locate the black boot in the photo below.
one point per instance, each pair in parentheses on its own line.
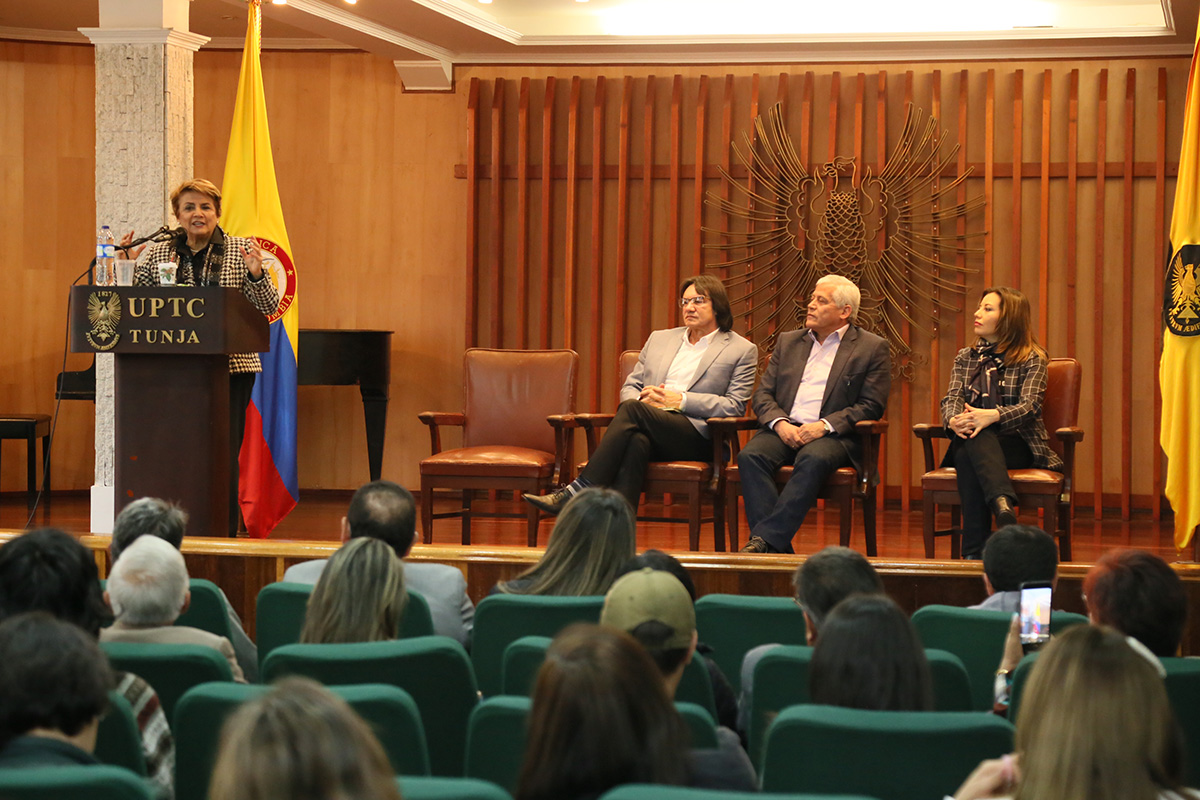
(1002,509)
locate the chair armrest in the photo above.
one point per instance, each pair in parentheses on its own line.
(730,425)
(1069,434)
(435,419)
(593,424)
(563,421)
(927,433)
(869,431)
(871,426)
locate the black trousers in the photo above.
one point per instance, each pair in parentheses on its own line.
(982,466)
(775,516)
(241,384)
(639,434)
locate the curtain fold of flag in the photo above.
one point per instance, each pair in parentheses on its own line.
(1179,370)
(268,485)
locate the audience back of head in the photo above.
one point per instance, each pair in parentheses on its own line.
(1095,722)
(300,742)
(1140,595)
(386,511)
(148,516)
(664,562)
(149,585)
(1017,554)
(869,656)
(360,596)
(593,537)
(654,608)
(53,678)
(48,570)
(829,576)
(601,717)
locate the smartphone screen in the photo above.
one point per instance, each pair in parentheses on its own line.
(1035,614)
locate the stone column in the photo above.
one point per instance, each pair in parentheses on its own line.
(144,141)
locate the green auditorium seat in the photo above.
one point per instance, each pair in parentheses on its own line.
(951,685)
(170,669)
(501,619)
(435,670)
(696,686)
(389,710)
(207,610)
(732,625)
(522,659)
(95,782)
(496,736)
(650,791)
(893,755)
(280,611)
(450,789)
(118,740)
(700,722)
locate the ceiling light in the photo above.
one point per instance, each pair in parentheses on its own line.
(485,2)
(279,2)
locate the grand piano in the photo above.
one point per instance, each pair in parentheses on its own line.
(328,357)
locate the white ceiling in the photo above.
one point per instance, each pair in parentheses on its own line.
(438,34)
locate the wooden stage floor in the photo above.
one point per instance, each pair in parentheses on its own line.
(318,516)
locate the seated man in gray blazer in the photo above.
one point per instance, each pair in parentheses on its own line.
(386,511)
(819,382)
(683,376)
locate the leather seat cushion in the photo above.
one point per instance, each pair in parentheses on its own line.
(497,461)
(1025,481)
(844,476)
(699,471)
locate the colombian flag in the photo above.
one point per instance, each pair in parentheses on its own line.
(1179,371)
(268,487)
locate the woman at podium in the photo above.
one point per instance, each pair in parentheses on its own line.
(201,254)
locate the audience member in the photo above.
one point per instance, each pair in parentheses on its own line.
(48,570)
(592,538)
(300,742)
(869,656)
(601,717)
(1141,596)
(654,608)
(148,590)
(1095,724)
(723,696)
(167,521)
(822,581)
(54,684)
(1013,555)
(359,598)
(386,511)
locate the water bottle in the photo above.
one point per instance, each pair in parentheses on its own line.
(106,253)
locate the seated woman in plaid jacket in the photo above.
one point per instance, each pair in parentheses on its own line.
(993,409)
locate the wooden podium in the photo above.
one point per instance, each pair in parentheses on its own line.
(172,347)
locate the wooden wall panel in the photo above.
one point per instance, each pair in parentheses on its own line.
(1061,221)
(375,195)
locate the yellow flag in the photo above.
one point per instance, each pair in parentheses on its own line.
(1179,371)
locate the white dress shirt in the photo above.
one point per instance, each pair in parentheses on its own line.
(684,365)
(807,406)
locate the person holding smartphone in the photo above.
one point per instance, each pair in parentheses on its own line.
(993,411)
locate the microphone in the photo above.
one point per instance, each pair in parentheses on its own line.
(164,234)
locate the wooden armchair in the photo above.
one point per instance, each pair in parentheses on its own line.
(507,396)
(695,480)
(1036,488)
(842,488)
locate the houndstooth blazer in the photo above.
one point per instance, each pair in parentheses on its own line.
(234,275)
(1022,389)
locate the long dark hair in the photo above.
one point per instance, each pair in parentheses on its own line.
(868,656)
(601,718)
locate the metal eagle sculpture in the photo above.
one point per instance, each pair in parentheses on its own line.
(883,232)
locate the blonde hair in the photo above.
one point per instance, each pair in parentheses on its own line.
(1096,724)
(1014,329)
(360,596)
(300,742)
(592,539)
(200,186)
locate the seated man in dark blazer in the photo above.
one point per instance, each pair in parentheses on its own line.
(683,376)
(819,382)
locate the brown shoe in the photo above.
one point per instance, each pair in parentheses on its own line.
(549,503)
(757,545)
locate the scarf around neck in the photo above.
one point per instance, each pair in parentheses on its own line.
(983,385)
